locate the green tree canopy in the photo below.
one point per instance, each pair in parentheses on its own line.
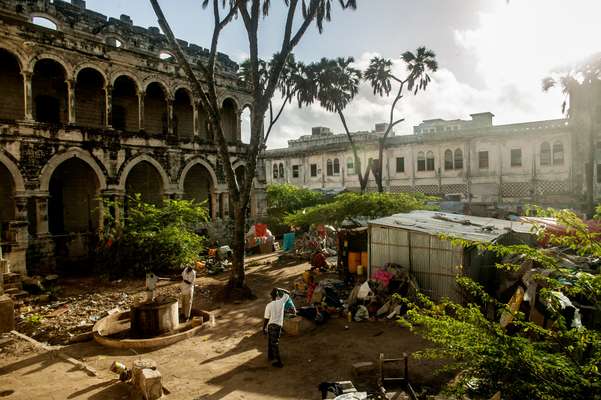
(353,206)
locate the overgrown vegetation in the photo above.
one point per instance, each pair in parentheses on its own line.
(284,199)
(523,360)
(354,206)
(151,238)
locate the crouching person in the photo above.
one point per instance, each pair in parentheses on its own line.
(187,289)
(272,325)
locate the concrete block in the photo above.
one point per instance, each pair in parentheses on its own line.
(138,366)
(7,314)
(150,384)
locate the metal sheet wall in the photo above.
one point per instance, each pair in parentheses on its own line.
(434,263)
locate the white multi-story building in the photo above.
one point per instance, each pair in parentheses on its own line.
(473,161)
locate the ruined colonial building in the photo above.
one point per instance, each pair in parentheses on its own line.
(482,165)
(96,108)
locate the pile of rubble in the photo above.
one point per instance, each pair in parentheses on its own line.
(70,319)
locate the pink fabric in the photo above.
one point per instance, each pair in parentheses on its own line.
(383,276)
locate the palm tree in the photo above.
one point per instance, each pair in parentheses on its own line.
(580,83)
(379,74)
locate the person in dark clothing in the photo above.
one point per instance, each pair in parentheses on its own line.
(272,325)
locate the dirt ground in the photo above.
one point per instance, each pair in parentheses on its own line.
(225,362)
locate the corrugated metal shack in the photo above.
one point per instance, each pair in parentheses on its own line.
(414,240)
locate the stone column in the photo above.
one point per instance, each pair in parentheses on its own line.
(195,122)
(238,126)
(141,96)
(170,117)
(41,215)
(70,101)
(27,95)
(108,106)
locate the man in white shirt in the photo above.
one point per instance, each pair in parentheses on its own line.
(187,288)
(272,325)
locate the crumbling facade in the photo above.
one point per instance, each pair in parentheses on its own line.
(96,108)
(481,165)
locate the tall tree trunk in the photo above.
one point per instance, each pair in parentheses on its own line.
(238,277)
(362,178)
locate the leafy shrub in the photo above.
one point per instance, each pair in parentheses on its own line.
(283,199)
(151,238)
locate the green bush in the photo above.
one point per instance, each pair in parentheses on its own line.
(283,199)
(151,238)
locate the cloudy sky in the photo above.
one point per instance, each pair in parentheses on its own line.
(492,53)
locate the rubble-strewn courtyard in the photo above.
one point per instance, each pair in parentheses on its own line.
(225,362)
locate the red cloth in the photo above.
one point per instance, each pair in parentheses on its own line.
(319,260)
(260,230)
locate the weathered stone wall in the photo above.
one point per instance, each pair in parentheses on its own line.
(118,118)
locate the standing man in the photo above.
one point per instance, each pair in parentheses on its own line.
(187,288)
(272,325)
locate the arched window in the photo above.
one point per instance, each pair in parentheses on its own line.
(545,154)
(336,166)
(275,171)
(281,170)
(430,161)
(44,22)
(557,153)
(448,159)
(458,159)
(350,166)
(421,161)
(330,168)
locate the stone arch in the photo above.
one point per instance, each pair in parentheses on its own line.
(183,114)
(194,161)
(22,59)
(156,110)
(229,118)
(154,79)
(58,159)
(126,169)
(15,173)
(49,56)
(50,91)
(198,182)
(51,18)
(245,123)
(185,87)
(114,75)
(12,106)
(77,69)
(90,97)
(125,103)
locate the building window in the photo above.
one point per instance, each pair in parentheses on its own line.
(545,154)
(295,171)
(516,157)
(330,168)
(430,161)
(458,159)
(281,170)
(400,164)
(557,153)
(336,166)
(421,161)
(483,159)
(448,159)
(350,166)
(275,171)
(313,170)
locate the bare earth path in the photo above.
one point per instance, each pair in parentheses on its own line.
(225,362)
